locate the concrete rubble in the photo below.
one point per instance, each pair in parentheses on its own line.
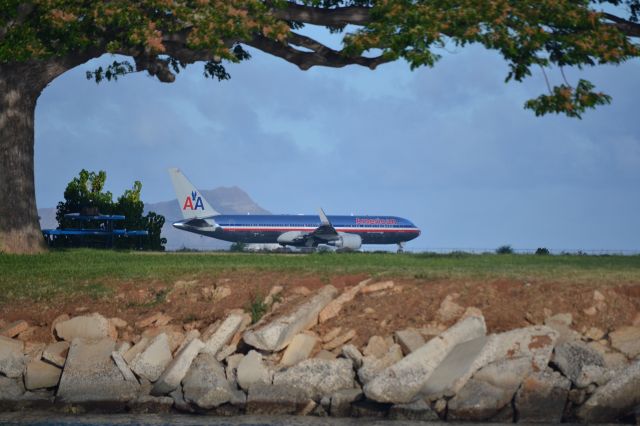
(12,359)
(401,382)
(90,375)
(152,361)
(279,333)
(90,327)
(536,374)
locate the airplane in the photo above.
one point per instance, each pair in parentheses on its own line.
(303,231)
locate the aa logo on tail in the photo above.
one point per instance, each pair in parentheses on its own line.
(188,202)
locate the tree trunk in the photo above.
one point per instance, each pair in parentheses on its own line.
(20,86)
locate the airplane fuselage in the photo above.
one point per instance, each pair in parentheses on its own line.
(265,229)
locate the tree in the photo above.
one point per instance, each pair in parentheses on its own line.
(41,39)
(85,195)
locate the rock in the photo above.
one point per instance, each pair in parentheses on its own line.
(252,370)
(401,382)
(564,319)
(331,334)
(90,327)
(174,334)
(318,377)
(33,350)
(278,334)
(626,340)
(440,406)
(384,285)
(308,409)
(418,410)
(118,323)
(326,355)
(377,347)
(232,367)
(299,349)
(205,384)
(594,333)
(12,360)
(127,374)
(191,335)
(223,334)
(449,310)
(177,369)
(590,311)
(151,362)
(275,291)
(340,405)
(56,353)
(335,306)
(266,399)
(561,324)
(339,341)
(614,400)
(122,347)
(577,396)
(179,402)
(506,373)
(13,329)
(536,342)
(226,351)
(489,391)
(479,400)
(573,357)
(458,367)
(409,340)
(352,353)
(10,389)
(157,320)
(372,366)
(136,349)
(90,375)
(40,374)
(542,397)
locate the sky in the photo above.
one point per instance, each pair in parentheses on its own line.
(451,148)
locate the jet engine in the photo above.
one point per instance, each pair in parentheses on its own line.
(347,241)
(292,238)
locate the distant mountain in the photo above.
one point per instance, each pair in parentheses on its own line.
(226,200)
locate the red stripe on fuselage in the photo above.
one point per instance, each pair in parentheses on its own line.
(352,230)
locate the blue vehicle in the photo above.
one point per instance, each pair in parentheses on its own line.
(343,232)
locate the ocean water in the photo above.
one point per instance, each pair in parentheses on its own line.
(55,419)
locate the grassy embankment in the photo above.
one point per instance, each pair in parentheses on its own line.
(95,273)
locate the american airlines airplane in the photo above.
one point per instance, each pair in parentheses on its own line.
(342,232)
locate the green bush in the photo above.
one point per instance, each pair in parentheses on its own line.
(237,247)
(542,251)
(85,195)
(505,249)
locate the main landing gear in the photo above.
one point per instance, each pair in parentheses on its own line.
(400,247)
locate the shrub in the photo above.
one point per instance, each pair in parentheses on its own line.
(506,249)
(237,247)
(542,251)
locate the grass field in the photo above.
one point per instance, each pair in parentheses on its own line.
(93,273)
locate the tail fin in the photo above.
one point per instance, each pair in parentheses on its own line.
(192,203)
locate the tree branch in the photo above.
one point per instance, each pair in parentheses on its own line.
(335,17)
(628,28)
(321,55)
